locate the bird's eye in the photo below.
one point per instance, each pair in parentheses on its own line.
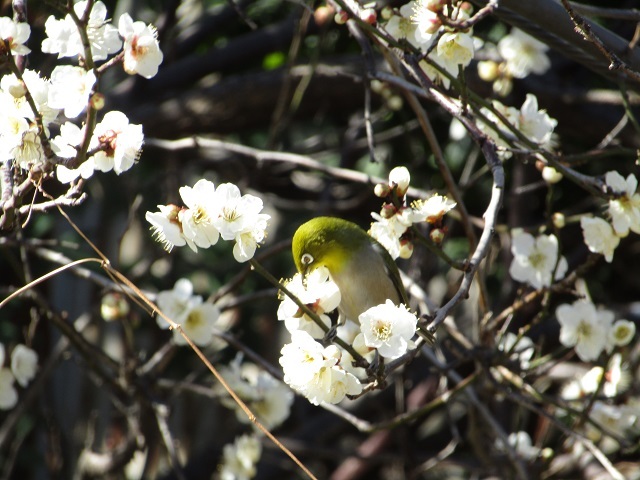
(307,259)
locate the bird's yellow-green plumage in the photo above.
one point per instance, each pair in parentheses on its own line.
(362,268)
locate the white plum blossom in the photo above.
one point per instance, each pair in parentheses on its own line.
(625,209)
(388,231)
(37,86)
(318,292)
(599,236)
(315,372)
(534,259)
(401,26)
(521,442)
(166,227)
(388,328)
(400,178)
(584,328)
(8,393)
(615,419)
(535,124)
(13,36)
(64,38)
(523,54)
(177,302)
(70,89)
(142,54)
(269,399)
(454,50)
(432,209)
(198,219)
(121,143)
(247,241)
(616,380)
(66,145)
(620,334)
(24,364)
(240,458)
(199,324)
(237,211)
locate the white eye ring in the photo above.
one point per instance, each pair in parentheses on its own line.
(307,259)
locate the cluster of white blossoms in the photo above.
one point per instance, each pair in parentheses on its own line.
(239,459)
(22,369)
(392,224)
(316,371)
(114,144)
(535,124)
(624,212)
(269,399)
(418,23)
(198,319)
(209,214)
(536,260)
(520,55)
(591,331)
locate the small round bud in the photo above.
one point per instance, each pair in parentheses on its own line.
(97,101)
(395,103)
(551,175)
(341,17)
(435,5)
(388,211)
(437,235)
(377,86)
(540,165)
(17,89)
(406,249)
(323,14)
(369,15)
(488,70)
(467,8)
(558,220)
(386,13)
(503,86)
(381,190)
(400,178)
(113,307)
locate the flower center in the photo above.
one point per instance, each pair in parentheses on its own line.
(537,259)
(381,329)
(584,330)
(230,214)
(200,215)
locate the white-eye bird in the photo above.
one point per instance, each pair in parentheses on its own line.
(362,269)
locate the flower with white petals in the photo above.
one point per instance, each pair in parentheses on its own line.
(237,212)
(8,393)
(625,209)
(523,54)
(121,143)
(431,210)
(584,328)
(70,89)
(535,124)
(240,458)
(620,334)
(318,292)
(142,54)
(24,364)
(269,399)
(616,380)
(454,50)
(388,231)
(64,38)
(199,324)
(521,443)
(315,372)
(166,227)
(66,145)
(38,87)
(401,26)
(177,302)
(534,259)
(388,328)
(613,418)
(248,240)
(599,236)
(198,219)
(13,35)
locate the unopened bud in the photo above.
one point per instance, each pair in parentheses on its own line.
(437,235)
(406,249)
(17,89)
(97,101)
(113,307)
(551,175)
(341,17)
(435,5)
(558,220)
(467,8)
(395,103)
(488,70)
(388,211)
(322,14)
(503,86)
(377,86)
(400,178)
(369,15)
(381,190)
(386,13)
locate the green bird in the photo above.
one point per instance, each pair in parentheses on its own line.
(360,266)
